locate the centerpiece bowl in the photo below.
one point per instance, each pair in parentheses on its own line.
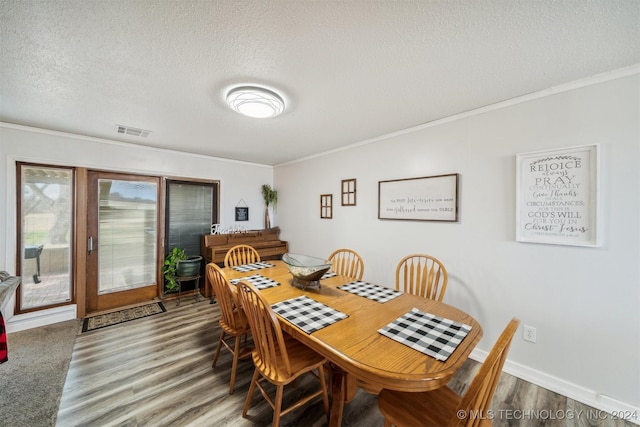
(306,270)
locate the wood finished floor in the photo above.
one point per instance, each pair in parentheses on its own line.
(156,371)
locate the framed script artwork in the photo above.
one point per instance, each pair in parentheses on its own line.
(430,198)
(557,196)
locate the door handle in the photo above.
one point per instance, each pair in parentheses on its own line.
(90,245)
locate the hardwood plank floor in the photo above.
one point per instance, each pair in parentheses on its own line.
(156,371)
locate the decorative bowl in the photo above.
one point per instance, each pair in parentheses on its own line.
(306,270)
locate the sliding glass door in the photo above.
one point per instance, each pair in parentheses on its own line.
(121,228)
(122,243)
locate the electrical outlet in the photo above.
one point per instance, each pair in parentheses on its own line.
(529,333)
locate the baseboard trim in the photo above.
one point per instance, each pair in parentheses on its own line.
(571,390)
(35,319)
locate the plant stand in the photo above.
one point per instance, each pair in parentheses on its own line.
(181,279)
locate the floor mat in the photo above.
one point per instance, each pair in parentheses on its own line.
(121,316)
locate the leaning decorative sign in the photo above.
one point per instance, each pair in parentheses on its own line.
(557,196)
(430,198)
(234,229)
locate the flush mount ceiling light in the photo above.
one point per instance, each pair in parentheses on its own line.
(255,102)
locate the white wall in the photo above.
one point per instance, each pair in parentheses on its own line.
(584,302)
(238,180)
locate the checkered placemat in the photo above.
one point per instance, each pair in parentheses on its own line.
(371,291)
(307,313)
(257,280)
(328,275)
(432,335)
(250,267)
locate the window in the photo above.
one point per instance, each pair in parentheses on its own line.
(45,233)
(191,209)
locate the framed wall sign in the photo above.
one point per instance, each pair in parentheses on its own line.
(557,196)
(430,198)
(242,213)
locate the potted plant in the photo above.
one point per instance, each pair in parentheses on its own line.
(179,264)
(270,197)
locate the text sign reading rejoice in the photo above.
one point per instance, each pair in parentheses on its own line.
(557,196)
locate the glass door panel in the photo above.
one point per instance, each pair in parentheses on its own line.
(46,219)
(122,246)
(127,238)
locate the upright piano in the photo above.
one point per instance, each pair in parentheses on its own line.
(214,247)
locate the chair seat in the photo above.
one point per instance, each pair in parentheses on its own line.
(430,408)
(234,331)
(301,359)
(245,350)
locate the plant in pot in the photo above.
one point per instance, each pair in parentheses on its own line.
(270,197)
(178,264)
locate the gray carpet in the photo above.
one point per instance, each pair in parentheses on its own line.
(31,382)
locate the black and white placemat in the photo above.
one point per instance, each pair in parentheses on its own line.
(251,267)
(329,274)
(307,313)
(257,280)
(371,291)
(435,336)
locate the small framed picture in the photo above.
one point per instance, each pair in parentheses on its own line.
(348,192)
(326,206)
(242,213)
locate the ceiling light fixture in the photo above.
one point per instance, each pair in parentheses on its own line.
(255,102)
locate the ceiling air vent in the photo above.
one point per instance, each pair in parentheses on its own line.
(128,130)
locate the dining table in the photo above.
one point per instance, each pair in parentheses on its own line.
(360,344)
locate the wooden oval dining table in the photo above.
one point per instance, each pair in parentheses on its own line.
(357,352)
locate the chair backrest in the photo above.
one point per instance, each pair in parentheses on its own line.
(478,396)
(267,334)
(347,262)
(240,255)
(422,275)
(227,298)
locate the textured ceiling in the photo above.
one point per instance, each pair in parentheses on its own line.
(348,70)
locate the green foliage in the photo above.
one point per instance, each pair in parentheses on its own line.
(35,237)
(270,195)
(170,267)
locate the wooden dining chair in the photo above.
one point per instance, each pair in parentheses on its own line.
(279,358)
(444,407)
(240,255)
(347,262)
(232,321)
(422,275)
